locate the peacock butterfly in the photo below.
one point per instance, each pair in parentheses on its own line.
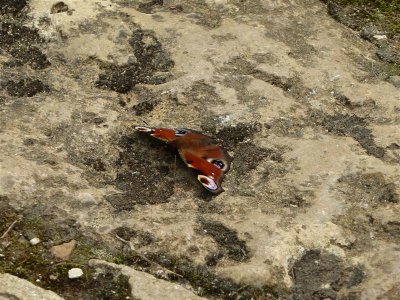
(198,151)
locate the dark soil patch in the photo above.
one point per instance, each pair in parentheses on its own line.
(352,126)
(145,107)
(238,67)
(200,12)
(227,240)
(26,87)
(346,102)
(96,163)
(145,172)
(371,188)
(22,44)
(148,100)
(59,7)
(93,118)
(289,126)
(150,59)
(365,193)
(392,228)
(136,237)
(12,7)
(29,142)
(322,275)
(248,156)
(367,229)
(233,135)
(203,93)
(147,7)
(292,197)
(8,214)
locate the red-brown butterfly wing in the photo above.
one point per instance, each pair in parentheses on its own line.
(210,175)
(199,152)
(163,134)
(204,147)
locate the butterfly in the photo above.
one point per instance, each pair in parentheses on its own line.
(198,151)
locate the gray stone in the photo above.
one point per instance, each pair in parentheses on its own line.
(12,287)
(147,287)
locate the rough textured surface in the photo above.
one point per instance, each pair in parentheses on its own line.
(147,287)
(311,204)
(13,287)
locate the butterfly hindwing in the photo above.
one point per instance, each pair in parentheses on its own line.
(210,175)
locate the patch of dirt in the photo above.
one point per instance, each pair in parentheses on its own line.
(248,156)
(290,127)
(291,198)
(368,227)
(366,193)
(22,44)
(227,240)
(201,93)
(352,126)
(364,108)
(370,188)
(59,7)
(137,238)
(145,172)
(150,59)
(148,6)
(9,214)
(12,7)
(241,71)
(26,87)
(232,136)
(148,100)
(321,275)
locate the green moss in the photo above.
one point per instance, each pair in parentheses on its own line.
(36,264)
(383,13)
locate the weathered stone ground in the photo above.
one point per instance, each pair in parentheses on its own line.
(307,109)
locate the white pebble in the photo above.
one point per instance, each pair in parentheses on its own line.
(35,241)
(75,273)
(380,37)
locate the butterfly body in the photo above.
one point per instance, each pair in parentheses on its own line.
(198,151)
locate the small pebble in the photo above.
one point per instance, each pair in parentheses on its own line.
(380,37)
(75,273)
(34,241)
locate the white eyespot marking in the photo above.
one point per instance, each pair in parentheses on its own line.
(143,129)
(208,183)
(180,132)
(221,164)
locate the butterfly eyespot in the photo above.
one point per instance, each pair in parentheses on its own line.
(219,163)
(208,183)
(180,132)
